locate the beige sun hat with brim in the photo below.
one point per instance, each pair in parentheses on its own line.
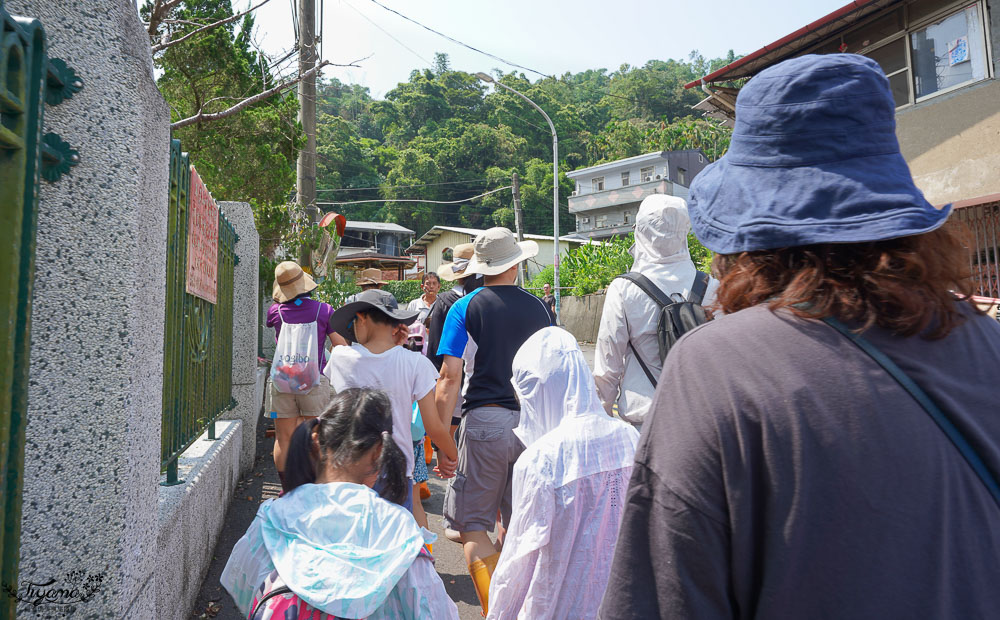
(369,276)
(462,255)
(497,250)
(290,281)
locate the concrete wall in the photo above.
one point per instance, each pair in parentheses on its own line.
(245,294)
(92,454)
(190,517)
(581,316)
(952,143)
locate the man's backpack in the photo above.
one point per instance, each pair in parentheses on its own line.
(677,315)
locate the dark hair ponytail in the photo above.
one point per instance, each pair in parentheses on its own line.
(392,465)
(354,422)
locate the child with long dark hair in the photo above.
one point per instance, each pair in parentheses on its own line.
(331,544)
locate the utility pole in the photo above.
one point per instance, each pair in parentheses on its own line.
(522,270)
(305,183)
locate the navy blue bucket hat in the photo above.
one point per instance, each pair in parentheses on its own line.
(813,159)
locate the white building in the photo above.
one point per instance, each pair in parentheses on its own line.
(435,247)
(607,196)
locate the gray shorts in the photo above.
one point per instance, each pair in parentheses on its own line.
(487,449)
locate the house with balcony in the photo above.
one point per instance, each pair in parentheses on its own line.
(941,59)
(375,245)
(607,196)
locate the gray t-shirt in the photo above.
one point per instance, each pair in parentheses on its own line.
(783,474)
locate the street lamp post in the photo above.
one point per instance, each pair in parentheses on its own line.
(555,182)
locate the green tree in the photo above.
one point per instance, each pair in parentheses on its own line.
(250,155)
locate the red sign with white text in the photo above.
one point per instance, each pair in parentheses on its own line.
(203,241)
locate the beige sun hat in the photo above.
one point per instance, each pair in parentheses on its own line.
(290,282)
(497,250)
(461,255)
(369,276)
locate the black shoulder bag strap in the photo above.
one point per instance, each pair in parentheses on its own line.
(263,600)
(661,300)
(940,417)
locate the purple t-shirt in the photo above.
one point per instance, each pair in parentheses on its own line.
(303,310)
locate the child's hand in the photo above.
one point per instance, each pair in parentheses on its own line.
(446,467)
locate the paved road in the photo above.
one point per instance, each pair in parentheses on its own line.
(262,483)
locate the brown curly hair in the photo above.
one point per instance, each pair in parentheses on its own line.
(907,285)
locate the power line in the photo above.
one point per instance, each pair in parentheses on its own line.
(386,33)
(358,189)
(456,41)
(439,202)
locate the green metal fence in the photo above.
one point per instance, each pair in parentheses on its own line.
(198,337)
(28,80)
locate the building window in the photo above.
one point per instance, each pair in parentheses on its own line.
(624,179)
(646,174)
(447,255)
(921,51)
(682,176)
(598,184)
(949,53)
(626,216)
(601,222)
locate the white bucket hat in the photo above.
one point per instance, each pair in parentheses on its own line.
(497,250)
(462,254)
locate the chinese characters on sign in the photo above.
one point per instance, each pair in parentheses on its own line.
(203,241)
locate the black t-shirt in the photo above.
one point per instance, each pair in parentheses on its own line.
(488,326)
(782,473)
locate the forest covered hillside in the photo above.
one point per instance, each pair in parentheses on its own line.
(445,135)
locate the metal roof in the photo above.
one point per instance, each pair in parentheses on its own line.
(379,227)
(628,161)
(435,232)
(788,45)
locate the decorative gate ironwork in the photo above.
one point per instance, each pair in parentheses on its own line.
(28,80)
(983,222)
(198,335)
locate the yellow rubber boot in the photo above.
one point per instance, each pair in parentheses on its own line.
(481,571)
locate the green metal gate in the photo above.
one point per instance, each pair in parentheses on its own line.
(28,80)
(198,336)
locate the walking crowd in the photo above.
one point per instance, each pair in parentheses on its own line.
(821,442)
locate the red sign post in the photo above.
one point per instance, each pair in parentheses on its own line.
(203,242)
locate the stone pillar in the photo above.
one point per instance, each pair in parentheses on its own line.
(92,454)
(245,296)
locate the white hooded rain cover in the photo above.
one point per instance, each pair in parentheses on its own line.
(661,254)
(568,487)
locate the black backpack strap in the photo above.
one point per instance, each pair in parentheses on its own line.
(661,300)
(933,410)
(642,364)
(647,287)
(698,289)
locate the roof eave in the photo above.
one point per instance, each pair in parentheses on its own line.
(727,72)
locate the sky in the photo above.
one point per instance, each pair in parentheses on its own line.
(550,36)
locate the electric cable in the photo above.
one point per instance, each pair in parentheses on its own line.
(465,45)
(358,189)
(439,202)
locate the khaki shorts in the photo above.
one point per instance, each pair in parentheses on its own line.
(487,449)
(310,404)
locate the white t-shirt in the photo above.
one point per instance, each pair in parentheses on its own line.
(406,376)
(420,304)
